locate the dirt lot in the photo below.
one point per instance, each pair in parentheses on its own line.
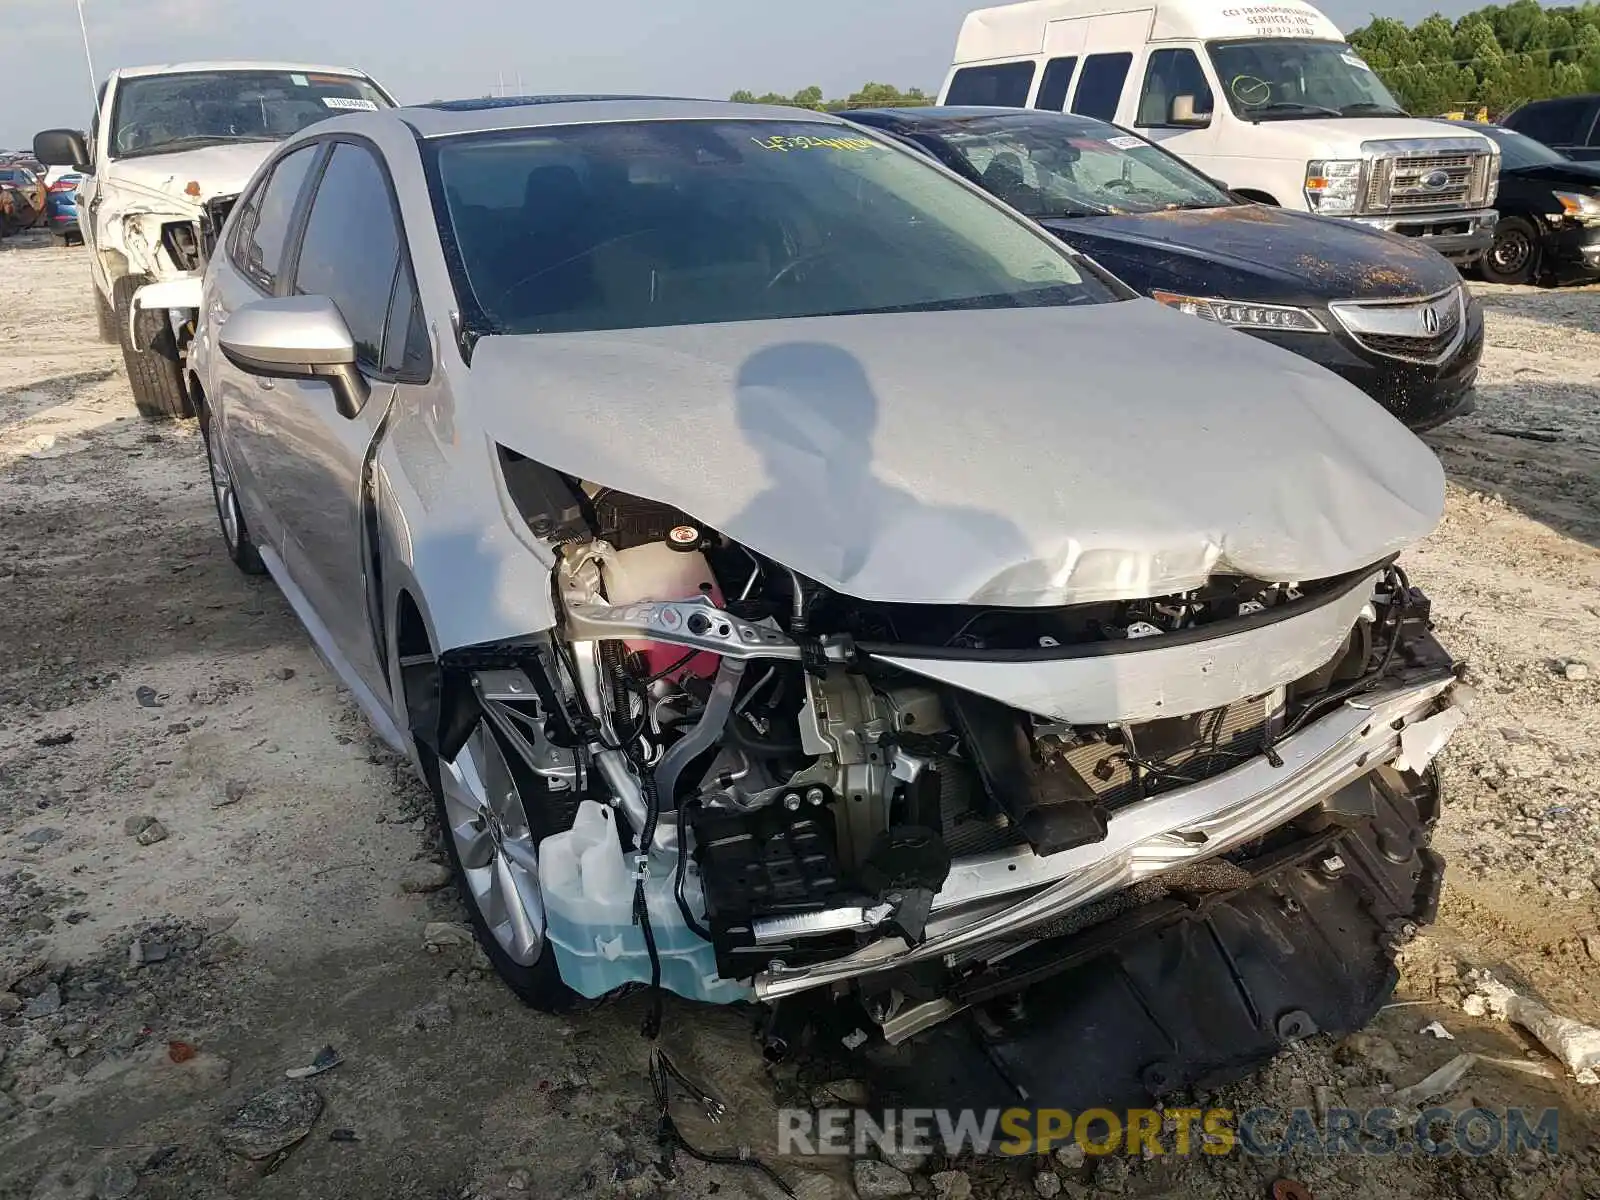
(266,915)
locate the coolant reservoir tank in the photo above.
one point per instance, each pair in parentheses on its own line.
(656,571)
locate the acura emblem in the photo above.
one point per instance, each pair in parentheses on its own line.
(1434,180)
(1430,321)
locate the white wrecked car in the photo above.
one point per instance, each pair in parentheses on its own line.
(169,150)
(798,575)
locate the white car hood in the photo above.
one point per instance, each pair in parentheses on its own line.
(1013,457)
(164,178)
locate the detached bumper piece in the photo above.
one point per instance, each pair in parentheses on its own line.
(1199,978)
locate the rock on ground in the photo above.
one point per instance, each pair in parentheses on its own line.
(272,1120)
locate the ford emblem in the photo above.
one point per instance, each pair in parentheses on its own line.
(1434,180)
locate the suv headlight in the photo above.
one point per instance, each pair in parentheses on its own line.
(1239,314)
(1576,204)
(1333,185)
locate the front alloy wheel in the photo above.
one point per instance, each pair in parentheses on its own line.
(235,534)
(494,850)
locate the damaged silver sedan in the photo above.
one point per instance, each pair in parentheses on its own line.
(803,580)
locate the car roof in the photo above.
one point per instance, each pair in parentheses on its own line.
(1554,100)
(451,117)
(234,65)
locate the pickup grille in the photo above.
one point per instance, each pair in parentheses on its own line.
(1421,182)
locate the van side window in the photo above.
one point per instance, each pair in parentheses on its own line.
(1175,90)
(1100,85)
(1003,86)
(1057,79)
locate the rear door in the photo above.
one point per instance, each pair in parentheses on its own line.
(351,250)
(1111,44)
(1063,49)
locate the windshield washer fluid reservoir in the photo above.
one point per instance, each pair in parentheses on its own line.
(588,898)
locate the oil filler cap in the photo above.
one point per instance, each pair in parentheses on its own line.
(684,538)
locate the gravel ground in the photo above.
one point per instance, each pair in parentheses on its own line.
(210,870)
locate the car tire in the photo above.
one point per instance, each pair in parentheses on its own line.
(537,983)
(105,318)
(155,373)
(230,517)
(1514,257)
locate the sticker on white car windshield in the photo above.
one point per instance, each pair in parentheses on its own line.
(346,104)
(1355,60)
(299,81)
(779,142)
(1124,142)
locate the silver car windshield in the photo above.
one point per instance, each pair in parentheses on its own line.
(654,223)
(162,114)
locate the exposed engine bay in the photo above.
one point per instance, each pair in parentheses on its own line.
(751,786)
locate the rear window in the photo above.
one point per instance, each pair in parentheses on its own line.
(1004,86)
(1555,122)
(629,225)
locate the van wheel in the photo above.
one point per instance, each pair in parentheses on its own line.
(156,372)
(1514,257)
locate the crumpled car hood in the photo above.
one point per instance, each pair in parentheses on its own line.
(219,170)
(1013,457)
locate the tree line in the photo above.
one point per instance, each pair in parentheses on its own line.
(1497,57)
(869,95)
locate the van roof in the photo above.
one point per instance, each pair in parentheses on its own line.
(1019,30)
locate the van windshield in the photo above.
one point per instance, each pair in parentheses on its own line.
(678,222)
(162,114)
(1287,79)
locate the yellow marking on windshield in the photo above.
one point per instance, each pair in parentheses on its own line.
(780,142)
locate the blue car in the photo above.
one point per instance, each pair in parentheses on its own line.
(62,202)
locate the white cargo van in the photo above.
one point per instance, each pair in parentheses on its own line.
(1269,99)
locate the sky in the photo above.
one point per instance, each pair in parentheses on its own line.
(434,49)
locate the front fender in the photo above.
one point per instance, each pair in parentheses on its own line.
(450,529)
(182,294)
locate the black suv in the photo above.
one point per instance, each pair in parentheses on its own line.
(1570,124)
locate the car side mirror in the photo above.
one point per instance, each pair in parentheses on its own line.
(1182,114)
(62,148)
(297,337)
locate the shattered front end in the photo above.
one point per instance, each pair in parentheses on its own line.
(1196,824)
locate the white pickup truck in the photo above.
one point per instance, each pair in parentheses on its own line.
(169,150)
